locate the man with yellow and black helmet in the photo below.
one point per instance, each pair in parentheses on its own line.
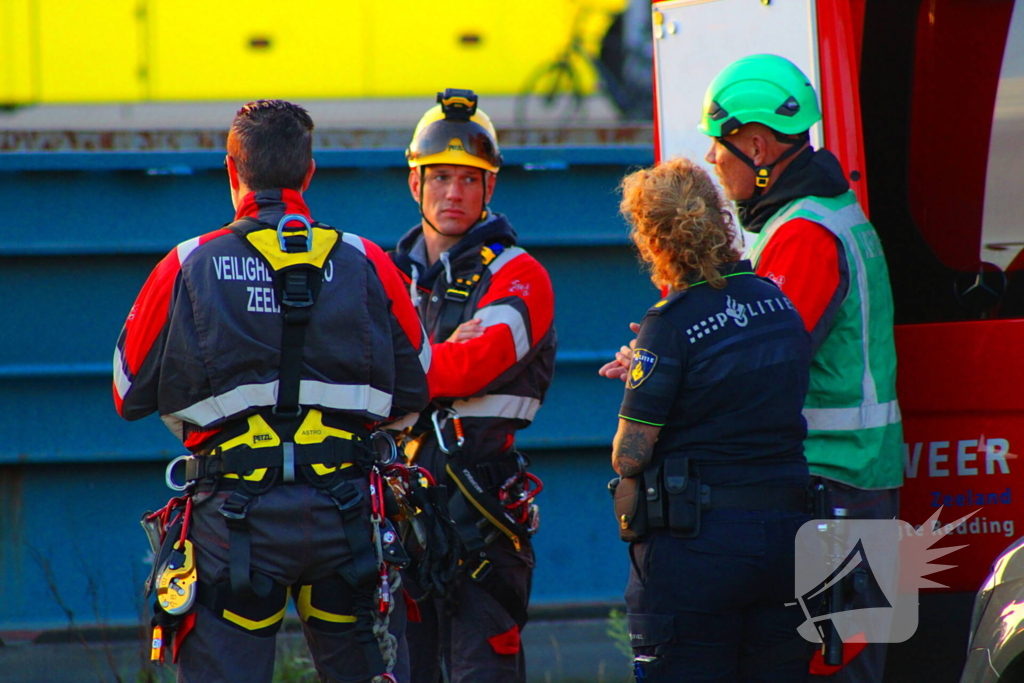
(488,307)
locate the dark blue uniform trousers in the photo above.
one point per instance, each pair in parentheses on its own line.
(713,608)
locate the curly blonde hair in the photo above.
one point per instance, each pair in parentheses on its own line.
(680,223)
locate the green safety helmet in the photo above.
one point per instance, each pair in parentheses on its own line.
(766,89)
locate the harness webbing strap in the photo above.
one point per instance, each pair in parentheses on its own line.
(486,504)
(467,505)
(363,607)
(362,568)
(235,510)
(241,460)
(478,568)
(298,284)
(458,293)
(297,299)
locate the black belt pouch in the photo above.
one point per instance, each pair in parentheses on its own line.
(682,489)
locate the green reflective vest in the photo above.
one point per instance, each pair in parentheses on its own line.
(855,434)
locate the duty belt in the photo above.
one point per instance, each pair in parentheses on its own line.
(753,498)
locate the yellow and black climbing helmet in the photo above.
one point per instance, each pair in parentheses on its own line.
(454,131)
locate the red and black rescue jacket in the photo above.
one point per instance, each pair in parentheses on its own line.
(497,381)
(202,343)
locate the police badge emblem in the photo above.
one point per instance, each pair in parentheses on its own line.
(641,368)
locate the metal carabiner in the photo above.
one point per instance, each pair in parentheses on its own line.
(169,473)
(392,457)
(439,430)
(460,436)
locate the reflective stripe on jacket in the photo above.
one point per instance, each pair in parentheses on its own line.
(855,432)
(497,381)
(202,343)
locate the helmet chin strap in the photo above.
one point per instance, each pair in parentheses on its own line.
(762,174)
(483,204)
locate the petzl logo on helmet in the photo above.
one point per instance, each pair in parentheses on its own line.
(842,563)
(641,368)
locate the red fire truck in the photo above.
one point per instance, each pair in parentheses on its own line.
(923,103)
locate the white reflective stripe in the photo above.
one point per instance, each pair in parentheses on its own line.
(186,248)
(509,315)
(426,354)
(498,405)
(503,258)
(121,382)
(345,397)
(852,419)
(839,221)
(446,262)
(335,396)
(355,240)
(414,293)
(840,224)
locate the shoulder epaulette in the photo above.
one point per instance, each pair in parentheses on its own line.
(667,302)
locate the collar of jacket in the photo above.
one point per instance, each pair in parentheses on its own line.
(495,229)
(269,206)
(810,174)
(724,269)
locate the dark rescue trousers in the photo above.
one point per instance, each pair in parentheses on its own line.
(709,609)
(297,546)
(869,665)
(470,634)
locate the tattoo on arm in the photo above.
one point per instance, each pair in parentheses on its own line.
(633,447)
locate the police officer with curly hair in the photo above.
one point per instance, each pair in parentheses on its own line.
(709,446)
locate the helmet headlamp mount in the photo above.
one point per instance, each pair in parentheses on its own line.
(457,104)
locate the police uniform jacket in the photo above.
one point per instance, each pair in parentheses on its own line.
(724,373)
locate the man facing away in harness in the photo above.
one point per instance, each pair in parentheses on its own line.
(272,347)
(488,307)
(815,243)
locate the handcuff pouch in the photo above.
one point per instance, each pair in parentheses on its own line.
(682,489)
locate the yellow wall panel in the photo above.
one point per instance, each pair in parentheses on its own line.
(424,47)
(19,75)
(137,50)
(89,51)
(243,50)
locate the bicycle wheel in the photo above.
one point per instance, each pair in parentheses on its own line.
(551,95)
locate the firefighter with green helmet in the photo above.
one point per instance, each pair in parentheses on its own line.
(488,307)
(815,243)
